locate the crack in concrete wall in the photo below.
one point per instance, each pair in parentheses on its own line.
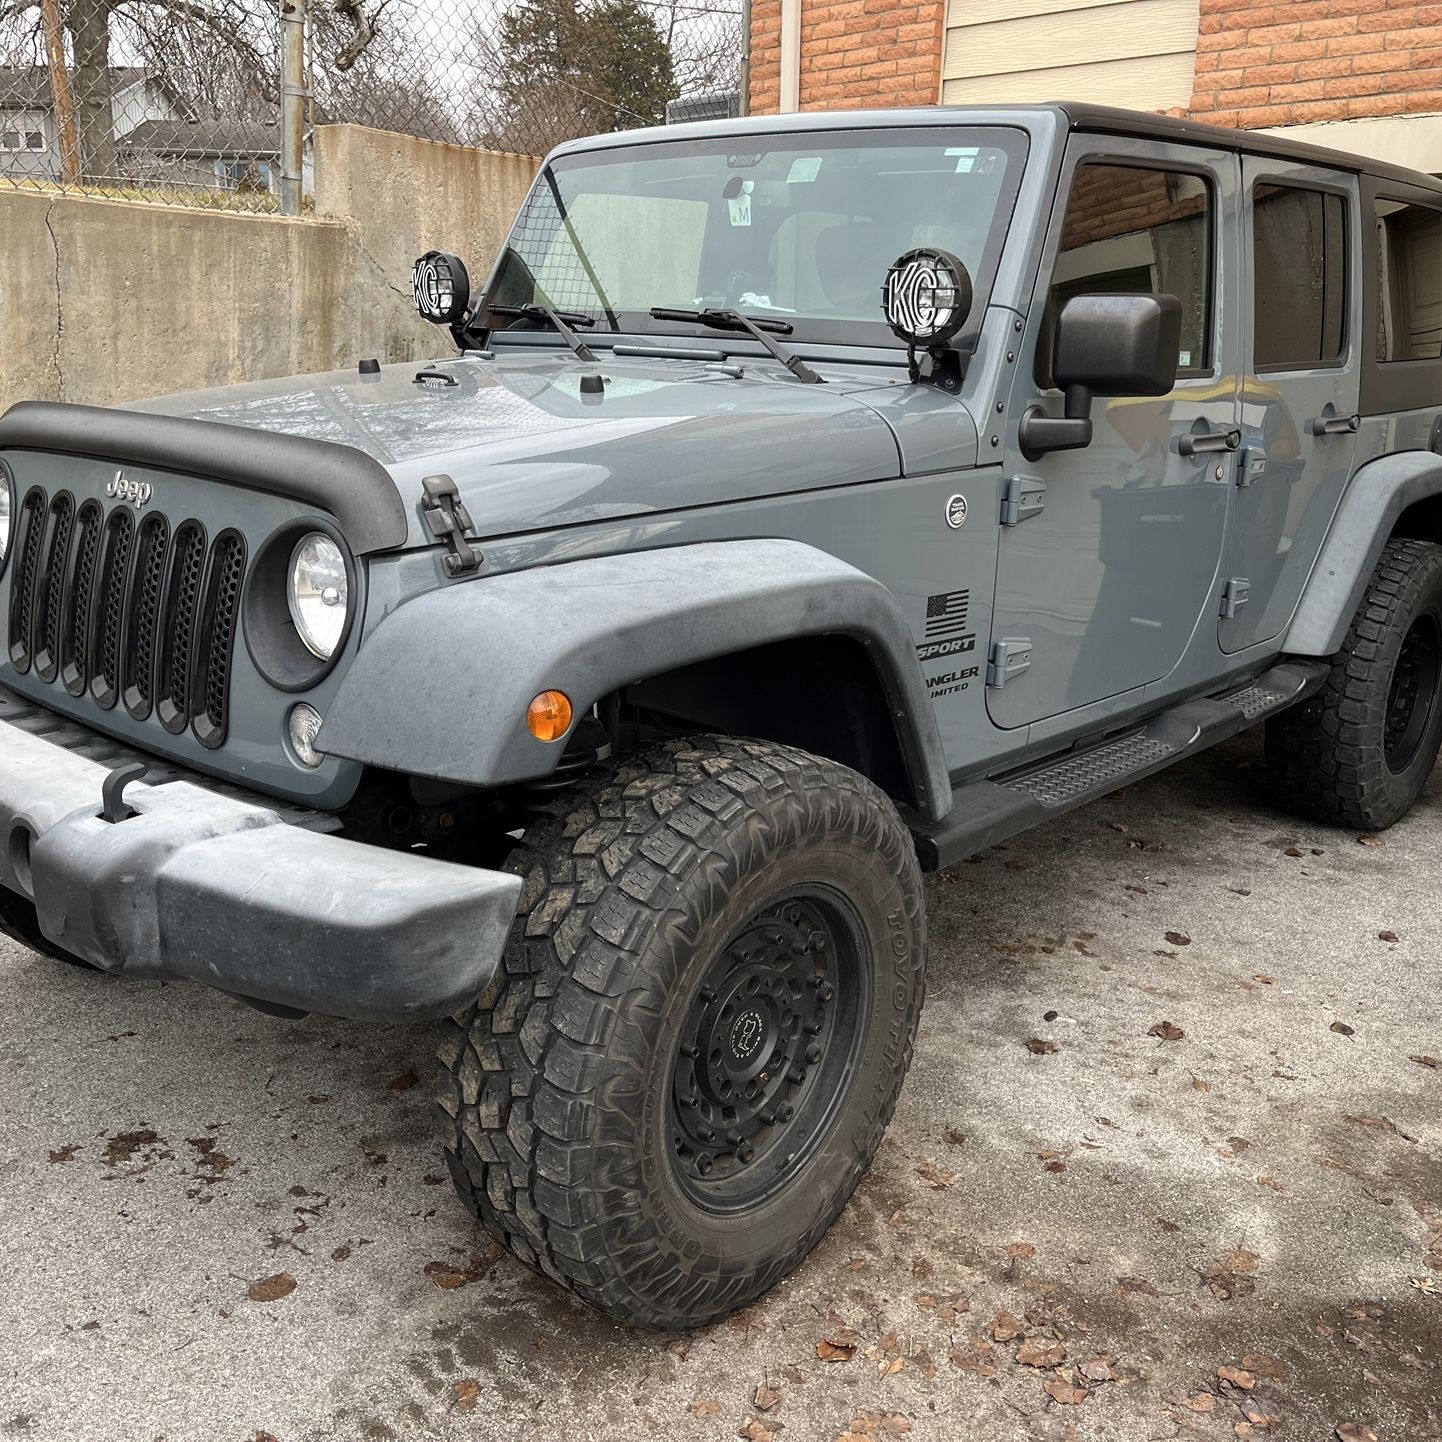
(55,356)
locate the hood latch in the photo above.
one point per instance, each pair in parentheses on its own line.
(449,521)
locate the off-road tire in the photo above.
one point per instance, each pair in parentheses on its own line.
(1328,758)
(556,1085)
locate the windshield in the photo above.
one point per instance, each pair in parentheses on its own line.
(798,228)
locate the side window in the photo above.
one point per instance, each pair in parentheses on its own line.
(1409,244)
(1299,270)
(1133,231)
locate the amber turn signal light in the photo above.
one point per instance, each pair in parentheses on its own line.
(549,715)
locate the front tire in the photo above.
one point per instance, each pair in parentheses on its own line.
(703,1020)
(1360,750)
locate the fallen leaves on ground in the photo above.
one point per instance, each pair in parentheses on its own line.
(1369,841)
(1039,1352)
(1166,1031)
(1356,1432)
(1427,1061)
(124,1145)
(1200,1402)
(1060,1390)
(1387,936)
(1006,1328)
(1237,1377)
(1382,1124)
(976,1356)
(271,1289)
(468,1393)
(755,1430)
(1099,1369)
(766,1397)
(840,1346)
(1039,1047)
(937,1177)
(1020,1249)
(1342,1029)
(1262,1364)
(66,1152)
(705,1407)
(1178,938)
(871,1426)
(1231,1276)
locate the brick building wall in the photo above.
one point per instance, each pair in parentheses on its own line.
(854,53)
(1311,61)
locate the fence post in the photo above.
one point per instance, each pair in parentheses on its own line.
(292,106)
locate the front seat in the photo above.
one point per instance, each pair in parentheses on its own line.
(847,266)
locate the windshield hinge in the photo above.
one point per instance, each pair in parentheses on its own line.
(449,521)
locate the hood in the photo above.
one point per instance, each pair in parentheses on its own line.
(529,450)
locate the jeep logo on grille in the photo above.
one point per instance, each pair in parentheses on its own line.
(121,488)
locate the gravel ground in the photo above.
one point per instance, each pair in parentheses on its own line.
(1262,1193)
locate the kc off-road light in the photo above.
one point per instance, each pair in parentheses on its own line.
(549,715)
(302,726)
(318,593)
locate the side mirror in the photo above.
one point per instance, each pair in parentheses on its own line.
(1108,345)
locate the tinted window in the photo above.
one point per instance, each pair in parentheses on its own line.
(1130,231)
(1299,268)
(1409,243)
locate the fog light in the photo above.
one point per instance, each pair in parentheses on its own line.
(549,715)
(302,725)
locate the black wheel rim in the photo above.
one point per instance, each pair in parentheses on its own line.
(1413,693)
(768,1042)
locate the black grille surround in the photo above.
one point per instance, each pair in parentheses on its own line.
(130,611)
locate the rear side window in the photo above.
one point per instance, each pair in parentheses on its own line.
(1134,231)
(1299,270)
(1409,246)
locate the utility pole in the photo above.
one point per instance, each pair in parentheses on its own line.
(293,94)
(60,89)
(743,78)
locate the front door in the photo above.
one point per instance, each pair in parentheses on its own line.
(1100,589)
(1301,239)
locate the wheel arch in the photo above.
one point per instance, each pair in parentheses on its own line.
(1397,495)
(676,629)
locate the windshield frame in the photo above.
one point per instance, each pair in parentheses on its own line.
(1013,139)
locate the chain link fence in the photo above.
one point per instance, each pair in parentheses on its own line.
(190,101)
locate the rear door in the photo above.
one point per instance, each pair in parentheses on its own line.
(1301,240)
(1110,561)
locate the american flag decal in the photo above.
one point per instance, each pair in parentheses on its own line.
(946,614)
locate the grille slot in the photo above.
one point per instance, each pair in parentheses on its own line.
(110,609)
(29,534)
(124,609)
(182,593)
(79,591)
(142,614)
(222,605)
(52,587)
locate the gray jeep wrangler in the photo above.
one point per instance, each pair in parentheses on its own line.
(810,502)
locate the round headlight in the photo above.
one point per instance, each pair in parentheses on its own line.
(317,593)
(5,520)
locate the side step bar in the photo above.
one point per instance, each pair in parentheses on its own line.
(985,812)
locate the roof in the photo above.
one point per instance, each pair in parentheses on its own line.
(181,138)
(27,87)
(1066,114)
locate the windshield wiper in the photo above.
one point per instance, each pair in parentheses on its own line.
(725,319)
(558,318)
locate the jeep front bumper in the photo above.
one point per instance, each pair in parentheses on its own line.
(223,890)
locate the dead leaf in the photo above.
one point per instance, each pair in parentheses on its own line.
(1098,1369)
(1237,1377)
(66,1152)
(1037,1047)
(124,1145)
(1356,1431)
(705,1407)
(766,1397)
(1127,1285)
(1387,936)
(340,1254)
(1038,1352)
(1369,841)
(468,1393)
(445,1276)
(1166,1031)
(1293,851)
(1060,1390)
(1427,1061)
(1261,1364)
(840,1346)
(755,1430)
(976,1356)
(1006,1328)
(938,1178)
(404,1082)
(271,1289)
(1341,1028)
(1201,1402)
(1382,1124)
(1272,1182)
(953,1137)
(1020,1249)
(1178,938)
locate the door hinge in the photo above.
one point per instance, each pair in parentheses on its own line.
(1025,497)
(1008,658)
(1234,596)
(1253,467)
(449,521)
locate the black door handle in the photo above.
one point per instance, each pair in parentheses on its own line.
(1197,444)
(1336,425)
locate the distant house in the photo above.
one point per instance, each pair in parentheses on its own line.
(157,140)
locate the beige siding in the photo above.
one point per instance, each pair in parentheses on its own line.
(1127,52)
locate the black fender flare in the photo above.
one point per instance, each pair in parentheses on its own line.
(441,686)
(1375,497)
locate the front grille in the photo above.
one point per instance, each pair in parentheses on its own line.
(140,614)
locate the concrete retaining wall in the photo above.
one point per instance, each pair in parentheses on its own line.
(106,301)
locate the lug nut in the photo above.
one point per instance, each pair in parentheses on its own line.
(797,1074)
(707,993)
(813,1053)
(813,1027)
(689,1051)
(690,1101)
(745,1152)
(704,1164)
(827,991)
(768,1119)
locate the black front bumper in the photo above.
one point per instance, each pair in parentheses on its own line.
(225,890)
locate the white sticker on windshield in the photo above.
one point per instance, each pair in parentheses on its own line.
(741,207)
(972,150)
(803,168)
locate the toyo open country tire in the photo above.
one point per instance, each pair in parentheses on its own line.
(1360,750)
(705,1014)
